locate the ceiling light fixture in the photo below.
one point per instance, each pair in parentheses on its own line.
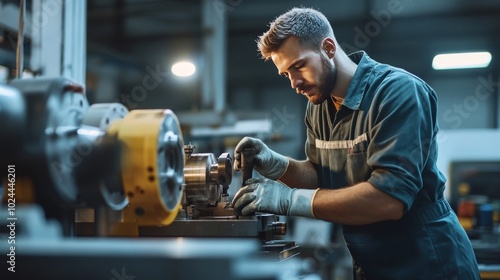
(461,60)
(183,69)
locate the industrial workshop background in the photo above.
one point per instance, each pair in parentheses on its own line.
(96,69)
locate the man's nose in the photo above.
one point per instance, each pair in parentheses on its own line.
(295,81)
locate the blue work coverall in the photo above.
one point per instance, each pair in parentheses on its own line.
(385,133)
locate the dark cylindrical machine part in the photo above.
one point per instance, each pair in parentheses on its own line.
(13,120)
(247,164)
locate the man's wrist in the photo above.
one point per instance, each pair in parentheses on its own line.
(301,202)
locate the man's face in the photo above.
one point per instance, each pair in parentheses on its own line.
(311,73)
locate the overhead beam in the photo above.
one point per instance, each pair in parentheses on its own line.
(214,49)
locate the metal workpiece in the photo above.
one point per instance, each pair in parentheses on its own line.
(152,170)
(201,188)
(206,178)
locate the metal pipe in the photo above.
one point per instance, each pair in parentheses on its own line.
(20,41)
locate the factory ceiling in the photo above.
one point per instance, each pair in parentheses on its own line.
(139,29)
(122,23)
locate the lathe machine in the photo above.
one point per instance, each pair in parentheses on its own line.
(93,182)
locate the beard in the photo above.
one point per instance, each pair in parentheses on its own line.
(328,80)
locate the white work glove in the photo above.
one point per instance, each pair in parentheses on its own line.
(264,195)
(267,162)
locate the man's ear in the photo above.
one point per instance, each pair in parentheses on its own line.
(329,46)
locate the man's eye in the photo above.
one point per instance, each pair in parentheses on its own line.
(298,66)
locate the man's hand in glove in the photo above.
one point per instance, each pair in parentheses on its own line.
(264,195)
(267,162)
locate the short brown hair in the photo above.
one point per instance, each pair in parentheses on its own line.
(308,25)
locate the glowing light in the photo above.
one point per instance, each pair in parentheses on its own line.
(183,69)
(461,60)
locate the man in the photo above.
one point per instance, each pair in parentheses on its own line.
(371,157)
